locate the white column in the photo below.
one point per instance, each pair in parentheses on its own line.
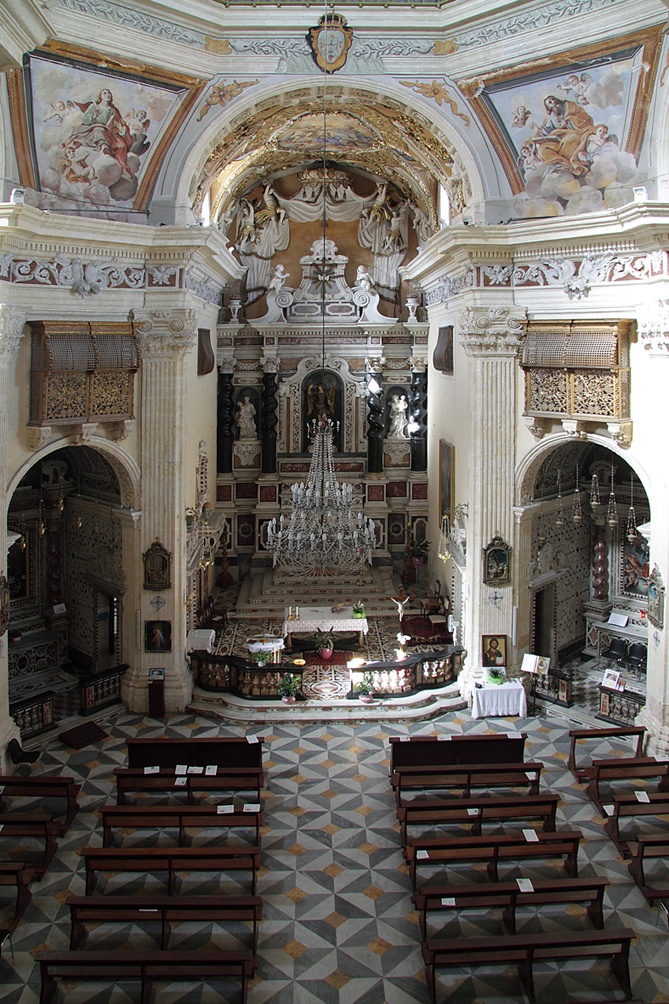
(12,325)
(490,337)
(165,337)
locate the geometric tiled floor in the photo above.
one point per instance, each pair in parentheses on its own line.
(338,921)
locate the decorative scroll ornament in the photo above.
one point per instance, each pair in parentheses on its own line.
(330,42)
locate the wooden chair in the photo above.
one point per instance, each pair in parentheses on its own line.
(435,604)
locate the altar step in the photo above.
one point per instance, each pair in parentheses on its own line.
(261,597)
(252,714)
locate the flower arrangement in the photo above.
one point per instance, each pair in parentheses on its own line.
(496,675)
(365,686)
(358,609)
(289,685)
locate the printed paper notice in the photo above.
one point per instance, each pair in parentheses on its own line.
(251,807)
(211,770)
(642,796)
(152,770)
(181,768)
(224,809)
(422,855)
(525,885)
(531,836)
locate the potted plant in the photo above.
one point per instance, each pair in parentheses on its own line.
(365,688)
(288,688)
(358,609)
(418,551)
(324,642)
(496,675)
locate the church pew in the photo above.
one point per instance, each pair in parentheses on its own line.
(579,736)
(651,803)
(35,826)
(142,965)
(427,751)
(61,787)
(466,777)
(167,782)
(222,751)
(181,817)
(508,896)
(634,769)
(169,859)
(525,949)
(165,910)
(643,848)
(20,875)
(449,851)
(476,811)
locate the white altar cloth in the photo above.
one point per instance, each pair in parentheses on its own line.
(312,618)
(499,699)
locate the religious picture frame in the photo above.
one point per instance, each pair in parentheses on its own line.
(493,650)
(497,562)
(446,479)
(656,598)
(157,636)
(157,567)
(4,605)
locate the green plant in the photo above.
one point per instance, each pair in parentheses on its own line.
(358,609)
(419,548)
(365,686)
(323,639)
(289,685)
(496,675)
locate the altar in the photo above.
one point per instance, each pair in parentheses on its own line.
(499,699)
(310,619)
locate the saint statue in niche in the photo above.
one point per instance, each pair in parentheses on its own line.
(321,399)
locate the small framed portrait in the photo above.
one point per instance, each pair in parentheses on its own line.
(4,605)
(493,650)
(157,636)
(157,673)
(656,598)
(157,567)
(497,563)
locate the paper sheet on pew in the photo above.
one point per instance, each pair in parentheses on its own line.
(181,780)
(252,739)
(473,812)
(195,770)
(422,855)
(224,809)
(448,901)
(608,809)
(444,739)
(211,770)
(251,807)
(152,770)
(525,885)
(180,768)
(514,735)
(641,796)
(531,836)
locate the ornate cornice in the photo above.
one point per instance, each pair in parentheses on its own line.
(487,331)
(12,326)
(165,331)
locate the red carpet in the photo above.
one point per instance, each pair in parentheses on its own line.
(83,735)
(424,632)
(336,659)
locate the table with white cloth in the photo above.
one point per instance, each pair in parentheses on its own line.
(507,698)
(312,618)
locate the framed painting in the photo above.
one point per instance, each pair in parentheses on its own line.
(634,558)
(157,636)
(446,479)
(493,650)
(157,567)
(496,563)
(656,599)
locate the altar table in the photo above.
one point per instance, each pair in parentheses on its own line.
(312,618)
(507,698)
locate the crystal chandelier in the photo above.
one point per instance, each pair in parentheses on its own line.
(324,535)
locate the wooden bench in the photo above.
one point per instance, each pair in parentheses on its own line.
(426,751)
(181,817)
(17,786)
(508,897)
(652,803)
(167,782)
(634,769)
(526,949)
(578,736)
(476,811)
(644,848)
(165,910)
(169,859)
(142,965)
(466,777)
(36,826)
(221,751)
(20,875)
(493,849)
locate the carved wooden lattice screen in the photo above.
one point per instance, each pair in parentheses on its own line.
(577,369)
(82,372)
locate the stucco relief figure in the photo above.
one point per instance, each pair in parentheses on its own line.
(246,419)
(398,416)
(383,228)
(262,231)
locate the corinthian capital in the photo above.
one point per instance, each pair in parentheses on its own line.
(165,332)
(491,330)
(12,325)
(654,328)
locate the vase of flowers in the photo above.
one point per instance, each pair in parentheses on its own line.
(324,642)
(496,675)
(358,609)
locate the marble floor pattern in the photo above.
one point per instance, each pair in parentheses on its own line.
(338,922)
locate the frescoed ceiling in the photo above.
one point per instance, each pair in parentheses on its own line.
(113,103)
